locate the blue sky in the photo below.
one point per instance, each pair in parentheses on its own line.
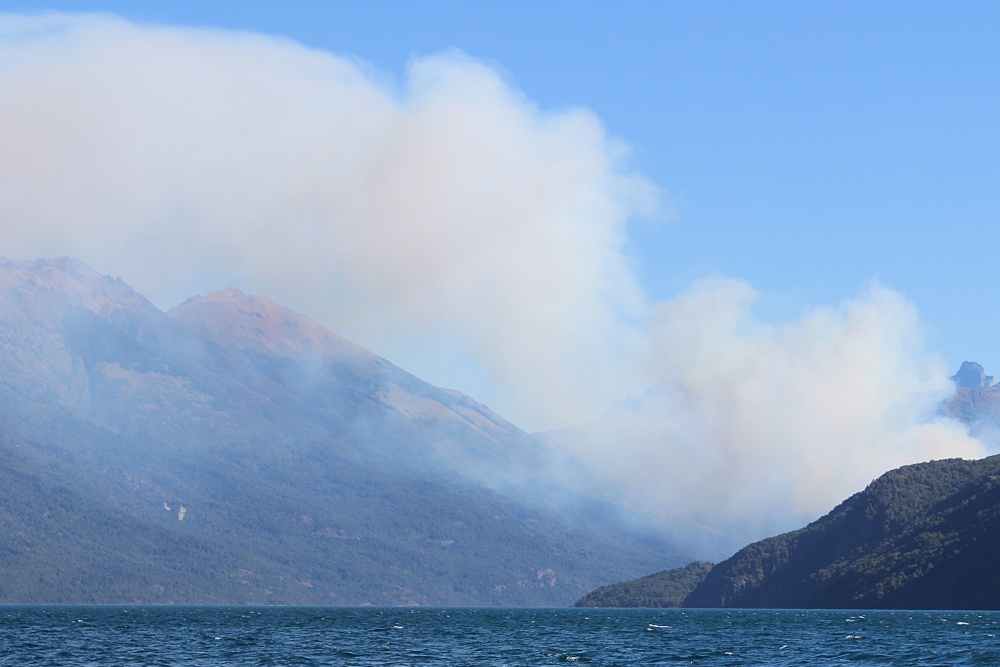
(447,184)
(805,148)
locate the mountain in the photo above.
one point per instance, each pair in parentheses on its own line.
(231,451)
(972,375)
(976,401)
(924,536)
(669,588)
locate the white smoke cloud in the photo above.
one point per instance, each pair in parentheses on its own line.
(763,428)
(446,222)
(447,206)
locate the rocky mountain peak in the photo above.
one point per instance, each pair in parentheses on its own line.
(55,285)
(972,376)
(246,321)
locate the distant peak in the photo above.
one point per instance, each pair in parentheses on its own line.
(71,281)
(256,322)
(972,376)
(70,266)
(227,293)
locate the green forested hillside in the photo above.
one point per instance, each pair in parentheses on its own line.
(668,588)
(925,536)
(80,524)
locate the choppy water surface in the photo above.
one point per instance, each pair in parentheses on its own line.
(175,636)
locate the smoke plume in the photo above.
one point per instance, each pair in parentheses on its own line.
(449,224)
(446,209)
(762,428)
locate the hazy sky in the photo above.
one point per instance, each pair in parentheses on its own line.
(806,148)
(550,205)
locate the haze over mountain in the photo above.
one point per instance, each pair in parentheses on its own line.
(233,451)
(773,445)
(499,245)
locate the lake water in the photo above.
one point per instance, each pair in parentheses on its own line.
(205,636)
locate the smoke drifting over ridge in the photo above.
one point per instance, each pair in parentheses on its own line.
(445,206)
(763,428)
(449,224)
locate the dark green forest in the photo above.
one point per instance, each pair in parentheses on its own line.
(924,536)
(669,588)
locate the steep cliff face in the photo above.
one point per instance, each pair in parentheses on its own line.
(234,451)
(971,375)
(976,401)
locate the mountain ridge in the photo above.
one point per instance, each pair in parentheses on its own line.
(226,462)
(922,536)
